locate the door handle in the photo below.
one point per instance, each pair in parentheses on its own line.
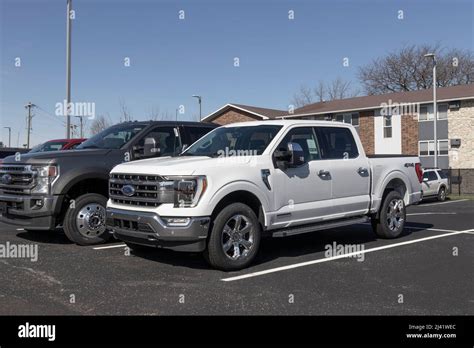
(362,171)
(323,173)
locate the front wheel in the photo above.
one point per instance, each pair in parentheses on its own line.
(84,222)
(234,239)
(442,194)
(391,221)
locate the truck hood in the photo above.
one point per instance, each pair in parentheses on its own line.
(52,157)
(185,165)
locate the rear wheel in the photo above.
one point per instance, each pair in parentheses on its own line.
(234,239)
(84,222)
(442,194)
(391,221)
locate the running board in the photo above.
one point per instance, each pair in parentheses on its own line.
(291,231)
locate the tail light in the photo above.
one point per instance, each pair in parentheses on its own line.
(419,172)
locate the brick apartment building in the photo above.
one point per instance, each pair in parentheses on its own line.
(394,123)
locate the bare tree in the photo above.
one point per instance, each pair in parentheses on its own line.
(157,115)
(125,114)
(336,89)
(339,89)
(408,70)
(154,114)
(303,97)
(99,124)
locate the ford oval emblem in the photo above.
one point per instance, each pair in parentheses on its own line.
(128,190)
(6,179)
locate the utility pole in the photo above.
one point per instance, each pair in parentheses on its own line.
(29,106)
(82,126)
(199,98)
(68,68)
(435,111)
(9,136)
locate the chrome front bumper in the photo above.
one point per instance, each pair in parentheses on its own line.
(146,228)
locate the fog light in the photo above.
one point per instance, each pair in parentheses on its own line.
(176,222)
(39,202)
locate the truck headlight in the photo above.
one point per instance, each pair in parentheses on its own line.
(44,177)
(182,191)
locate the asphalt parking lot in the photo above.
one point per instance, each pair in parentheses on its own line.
(429,270)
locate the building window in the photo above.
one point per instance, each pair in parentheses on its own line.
(442,111)
(355,119)
(443,147)
(423,114)
(387,126)
(426,147)
(352,118)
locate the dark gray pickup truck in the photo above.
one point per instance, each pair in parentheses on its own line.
(40,191)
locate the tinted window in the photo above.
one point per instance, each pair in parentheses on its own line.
(336,143)
(165,139)
(442,174)
(234,141)
(305,137)
(113,137)
(430,175)
(195,133)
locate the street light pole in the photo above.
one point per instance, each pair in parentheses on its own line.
(68,69)
(435,110)
(199,98)
(9,136)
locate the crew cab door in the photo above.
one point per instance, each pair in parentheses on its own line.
(348,169)
(302,194)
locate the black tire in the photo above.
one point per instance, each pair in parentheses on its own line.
(249,227)
(387,226)
(96,218)
(441,194)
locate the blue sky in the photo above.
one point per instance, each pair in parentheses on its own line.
(172,59)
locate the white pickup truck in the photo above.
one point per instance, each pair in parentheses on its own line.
(243,181)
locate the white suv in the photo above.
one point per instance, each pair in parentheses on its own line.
(435,184)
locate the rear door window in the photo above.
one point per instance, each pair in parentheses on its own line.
(336,143)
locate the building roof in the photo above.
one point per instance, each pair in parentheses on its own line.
(353,104)
(375,101)
(263,113)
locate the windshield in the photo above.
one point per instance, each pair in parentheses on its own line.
(112,138)
(49,146)
(234,141)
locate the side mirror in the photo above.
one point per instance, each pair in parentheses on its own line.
(150,149)
(297,155)
(425,179)
(293,157)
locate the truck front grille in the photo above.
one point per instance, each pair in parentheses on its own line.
(145,189)
(16,179)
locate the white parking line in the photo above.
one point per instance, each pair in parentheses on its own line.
(307,263)
(110,246)
(431,214)
(430,204)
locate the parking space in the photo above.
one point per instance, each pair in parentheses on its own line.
(426,271)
